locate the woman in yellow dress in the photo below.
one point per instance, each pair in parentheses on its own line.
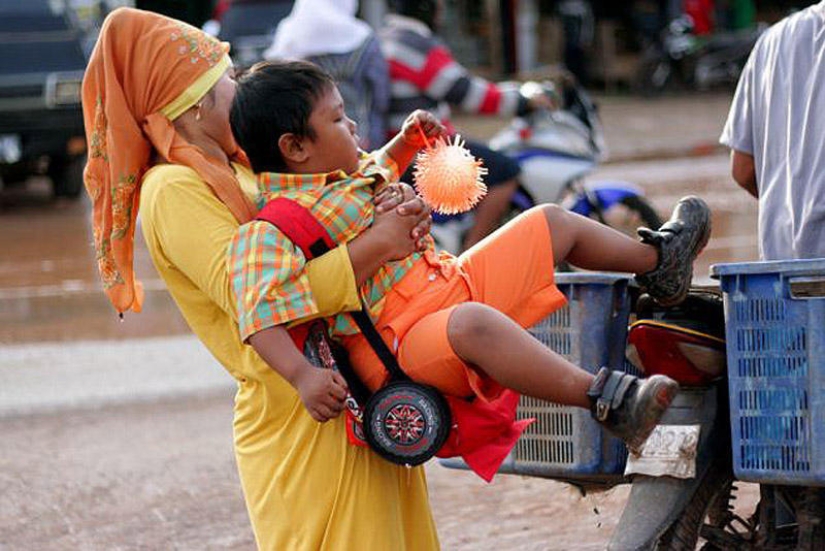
(156,99)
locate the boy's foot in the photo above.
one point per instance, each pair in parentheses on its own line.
(629,407)
(679,241)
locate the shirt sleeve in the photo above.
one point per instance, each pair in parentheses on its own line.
(738,131)
(445,79)
(268,278)
(378,75)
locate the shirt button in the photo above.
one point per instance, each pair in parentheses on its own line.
(431,277)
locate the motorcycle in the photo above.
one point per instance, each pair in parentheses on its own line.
(758,422)
(756,418)
(699,62)
(556,149)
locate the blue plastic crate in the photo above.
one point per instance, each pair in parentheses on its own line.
(775,329)
(590,331)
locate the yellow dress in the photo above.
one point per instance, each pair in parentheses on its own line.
(305,486)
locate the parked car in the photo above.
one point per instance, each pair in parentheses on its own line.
(41,69)
(249,26)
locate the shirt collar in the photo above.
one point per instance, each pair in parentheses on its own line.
(277,181)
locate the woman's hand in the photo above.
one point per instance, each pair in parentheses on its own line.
(421,123)
(401,198)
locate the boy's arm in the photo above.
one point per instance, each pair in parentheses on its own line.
(322,390)
(403,147)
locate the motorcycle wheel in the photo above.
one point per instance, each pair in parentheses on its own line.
(630,213)
(709,505)
(653,76)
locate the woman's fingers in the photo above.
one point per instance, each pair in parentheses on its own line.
(390,197)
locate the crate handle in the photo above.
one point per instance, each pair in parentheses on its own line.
(807,287)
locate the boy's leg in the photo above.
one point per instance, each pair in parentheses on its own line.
(491,342)
(663,260)
(586,243)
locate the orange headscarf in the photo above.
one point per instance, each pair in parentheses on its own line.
(143,72)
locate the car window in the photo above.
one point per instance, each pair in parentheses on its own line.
(252,19)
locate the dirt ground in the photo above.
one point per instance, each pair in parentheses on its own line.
(162,476)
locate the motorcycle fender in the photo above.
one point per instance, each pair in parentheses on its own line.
(656,502)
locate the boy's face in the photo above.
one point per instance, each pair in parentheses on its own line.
(335,146)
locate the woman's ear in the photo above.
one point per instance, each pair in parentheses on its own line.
(292,148)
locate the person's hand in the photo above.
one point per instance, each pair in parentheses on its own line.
(419,122)
(401,198)
(322,391)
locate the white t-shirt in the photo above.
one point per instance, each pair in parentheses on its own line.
(778,116)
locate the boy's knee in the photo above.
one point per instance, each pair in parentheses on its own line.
(471,322)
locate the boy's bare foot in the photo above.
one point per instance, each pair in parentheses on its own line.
(629,407)
(679,241)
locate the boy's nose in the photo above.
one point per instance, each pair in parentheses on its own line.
(353,126)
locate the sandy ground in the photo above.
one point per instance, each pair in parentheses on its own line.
(162,476)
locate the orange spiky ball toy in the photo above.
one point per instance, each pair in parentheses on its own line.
(448,177)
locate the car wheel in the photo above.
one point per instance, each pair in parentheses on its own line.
(67,176)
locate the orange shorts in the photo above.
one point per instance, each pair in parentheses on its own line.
(510,270)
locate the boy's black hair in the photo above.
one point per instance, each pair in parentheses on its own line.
(272,99)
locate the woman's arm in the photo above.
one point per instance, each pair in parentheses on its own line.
(175,200)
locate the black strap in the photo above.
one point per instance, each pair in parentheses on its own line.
(378,345)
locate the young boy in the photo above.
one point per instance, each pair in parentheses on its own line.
(454,323)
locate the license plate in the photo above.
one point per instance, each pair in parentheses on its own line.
(669,451)
(10,149)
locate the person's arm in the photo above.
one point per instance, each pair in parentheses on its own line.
(403,147)
(322,390)
(743,171)
(177,200)
(445,79)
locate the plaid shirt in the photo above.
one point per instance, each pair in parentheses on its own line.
(269,281)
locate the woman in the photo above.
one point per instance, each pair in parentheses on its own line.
(327,33)
(156,99)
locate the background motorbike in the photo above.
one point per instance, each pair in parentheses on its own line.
(698,62)
(556,149)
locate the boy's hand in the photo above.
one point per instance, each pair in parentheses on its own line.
(429,125)
(322,391)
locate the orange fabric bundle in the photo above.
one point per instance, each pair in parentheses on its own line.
(143,62)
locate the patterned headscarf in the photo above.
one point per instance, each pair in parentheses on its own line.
(145,70)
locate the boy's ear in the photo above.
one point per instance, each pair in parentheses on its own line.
(292,148)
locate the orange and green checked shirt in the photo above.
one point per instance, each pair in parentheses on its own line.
(267,270)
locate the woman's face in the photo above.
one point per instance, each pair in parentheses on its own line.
(215,112)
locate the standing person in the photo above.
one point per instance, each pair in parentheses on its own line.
(774,129)
(424,75)
(156,98)
(327,33)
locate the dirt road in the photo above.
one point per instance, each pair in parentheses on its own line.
(162,476)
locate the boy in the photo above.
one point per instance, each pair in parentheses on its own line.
(454,323)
